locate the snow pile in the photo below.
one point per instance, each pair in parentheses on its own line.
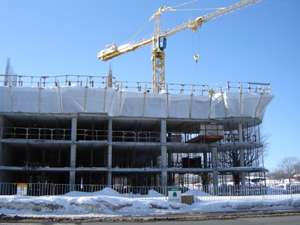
(117,206)
(86,205)
(106,192)
(110,192)
(196,193)
(153,193)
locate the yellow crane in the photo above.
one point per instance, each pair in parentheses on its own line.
(158,39)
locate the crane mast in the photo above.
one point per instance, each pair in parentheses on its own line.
(158,40)
(158,54)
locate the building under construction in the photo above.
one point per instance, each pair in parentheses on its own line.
(94,130)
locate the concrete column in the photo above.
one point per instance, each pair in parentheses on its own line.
(1,163)
(72,176)
(205,178)
(215,182)
(73,129)
(72,180)
(214,152)
(73,156)
(72,163)
(109,153)
(1,154)
(170,164)
(5,160)
(242,158)
(164,178)
(5,153)
(2,124)
(163,132)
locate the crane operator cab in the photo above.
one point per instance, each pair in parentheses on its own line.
(162,43)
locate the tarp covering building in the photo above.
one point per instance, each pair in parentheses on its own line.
(74,99)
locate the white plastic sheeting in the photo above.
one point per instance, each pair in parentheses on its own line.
(76,99)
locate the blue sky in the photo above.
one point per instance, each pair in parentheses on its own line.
(260,43)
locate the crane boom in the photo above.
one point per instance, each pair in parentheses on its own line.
(111,51)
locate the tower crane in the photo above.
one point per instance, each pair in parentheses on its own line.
(158,39)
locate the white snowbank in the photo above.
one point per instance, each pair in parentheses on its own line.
(106,191)
(110,192)
(196,193)
(104,205)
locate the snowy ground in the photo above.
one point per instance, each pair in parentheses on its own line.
(102,205)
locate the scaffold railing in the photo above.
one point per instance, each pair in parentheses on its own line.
(111,82)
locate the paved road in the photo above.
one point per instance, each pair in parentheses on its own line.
(286,220)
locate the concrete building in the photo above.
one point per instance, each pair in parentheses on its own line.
(75,129)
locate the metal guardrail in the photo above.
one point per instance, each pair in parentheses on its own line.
(199,192)
(100,135)
(94,135)
(104,81)
(36,133)
(82,134)
(132,136)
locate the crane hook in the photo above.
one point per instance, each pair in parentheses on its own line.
(196,57)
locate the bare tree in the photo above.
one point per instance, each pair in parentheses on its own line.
(252,156)
(276,174)
(289,166)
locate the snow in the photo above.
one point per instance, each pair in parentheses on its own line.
(103,204)
(196,193)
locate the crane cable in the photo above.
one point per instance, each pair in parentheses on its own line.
(171,9)
(137,32)
(238,14)
(196,56)
(145,24)
(184,3)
